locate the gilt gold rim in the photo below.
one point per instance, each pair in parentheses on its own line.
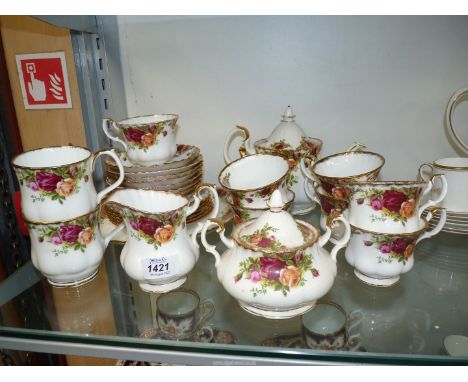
(355,229)
(31,222)
(105,201)
(287,204)
(347,153)
(278,181)
(90,154)
(257,144)
(124,125)
(178,290)
(453,168)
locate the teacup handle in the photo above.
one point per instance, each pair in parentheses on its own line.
(443,192)
(119,181)
(206,310)
(105,127)
(421,172)
(196,199)
(112,233)
(452,103)
(306,163)
(238,131)
(327,235)
(436,229)
(309,193)
(356,146)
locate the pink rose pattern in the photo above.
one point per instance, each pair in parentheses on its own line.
(154,229)
(66,236)
(397,204)
(145,136)
(276,274)
(395,247)
(53,183)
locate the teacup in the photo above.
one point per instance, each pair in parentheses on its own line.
(69,252)
(351,166)
(180,312)
(380,258)
(252,179)
(326,327)
(242,214)
(56,182)
(159,252)
(456,173)
(391,206)
(148,140)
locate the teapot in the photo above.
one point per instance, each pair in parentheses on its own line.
(276,266)
(289,140)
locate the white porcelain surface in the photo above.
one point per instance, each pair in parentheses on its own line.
(56,183)
(379,258)
(391,207)
(162,146)
(456,173)
(347,164)
(158,252)
(68,253)
(270,285)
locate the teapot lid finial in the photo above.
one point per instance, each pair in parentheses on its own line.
(288,115)
(276,203)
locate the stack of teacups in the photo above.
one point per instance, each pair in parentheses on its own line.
(250,182)
(60,207)
(385,216)
(456,200)
(153,160)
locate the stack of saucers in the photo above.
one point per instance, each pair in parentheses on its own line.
(457,222)
(181,174)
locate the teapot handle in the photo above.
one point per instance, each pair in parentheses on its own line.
(333,218)
(197,199)
(237,131)
(451,105)
(443,192)
(212,248)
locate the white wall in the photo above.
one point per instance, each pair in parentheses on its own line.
(383,81)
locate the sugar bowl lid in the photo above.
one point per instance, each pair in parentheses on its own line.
(276,231)
(288,132)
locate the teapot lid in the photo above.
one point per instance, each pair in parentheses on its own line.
(276,231)
(288,132)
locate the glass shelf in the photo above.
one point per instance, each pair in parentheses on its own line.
(402,324)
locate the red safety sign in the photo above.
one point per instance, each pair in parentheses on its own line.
(44,80)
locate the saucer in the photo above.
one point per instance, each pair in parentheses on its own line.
(456,346)
(294,341)
(202,335)
(183,154)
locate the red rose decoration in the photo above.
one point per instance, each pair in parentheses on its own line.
(70,233)
(326,206)
(47,181)
(134,135)
(148,225)
(399,245)
(392,200)
(270,268)
(328,187)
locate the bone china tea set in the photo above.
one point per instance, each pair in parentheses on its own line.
(275,266)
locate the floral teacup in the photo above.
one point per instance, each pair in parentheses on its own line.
(335,170)
(251,180)
(148,140)
(180,313)
(56,182)
(68,252)
(159,253)
(380,258)
(391,206)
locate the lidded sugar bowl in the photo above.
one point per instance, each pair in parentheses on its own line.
(276,266)
(289,140)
